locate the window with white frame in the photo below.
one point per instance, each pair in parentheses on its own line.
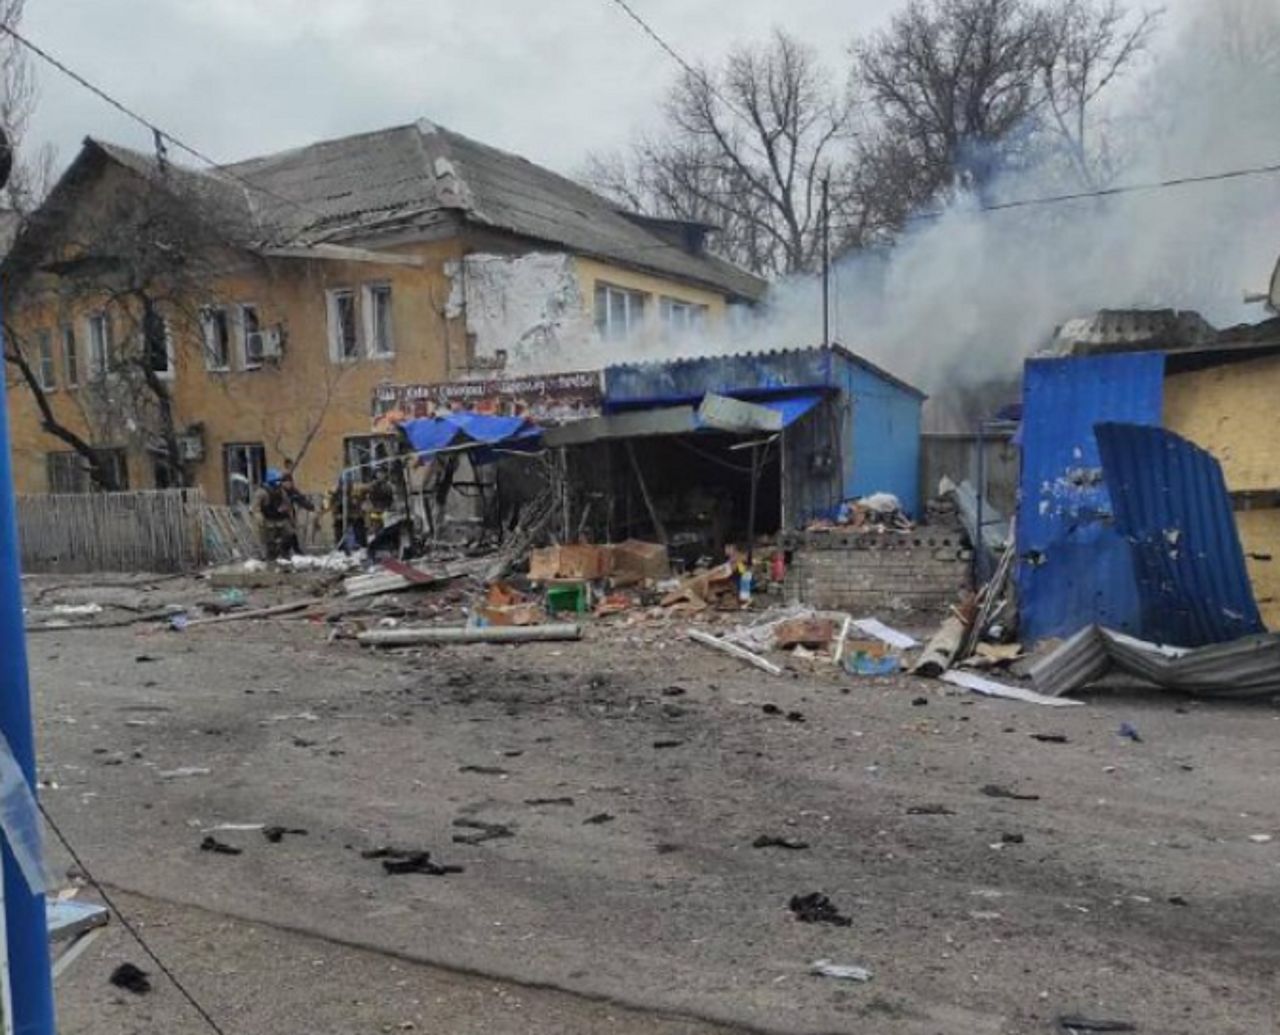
(377,320)
(46,367)
(215,326)
(70,357)
(99,345)
(681,318)
(619,312)
(344,339)
(250,337)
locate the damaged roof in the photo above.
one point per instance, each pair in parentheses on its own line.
(408,178)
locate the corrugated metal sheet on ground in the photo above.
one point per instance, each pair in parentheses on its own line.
(1171,503)
(1244,668)
(1074,569)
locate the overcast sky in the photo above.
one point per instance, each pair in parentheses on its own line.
(237,78)
(550,80)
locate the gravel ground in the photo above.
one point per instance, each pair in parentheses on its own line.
(1129,888)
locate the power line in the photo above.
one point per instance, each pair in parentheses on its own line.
(1104,192)
(696,73)
(158,133)
(127,925)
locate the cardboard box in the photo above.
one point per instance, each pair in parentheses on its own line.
(512,614)
(582,561)
(642,560)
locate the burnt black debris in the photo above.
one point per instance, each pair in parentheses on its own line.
(816,908)
(409,860)
(483,770)
(994,790)
(1072,1025)
(131,979)
(770,841)
(277,834)
(599,819)
(212,844)
(661,744)
(1051,738)
(567,802)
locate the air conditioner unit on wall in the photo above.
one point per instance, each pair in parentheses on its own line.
(191,444)
(264,345)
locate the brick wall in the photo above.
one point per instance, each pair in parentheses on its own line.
(877,573)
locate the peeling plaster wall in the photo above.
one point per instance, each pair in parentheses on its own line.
(529,307)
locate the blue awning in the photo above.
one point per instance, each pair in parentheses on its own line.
(793,407)
(428,435)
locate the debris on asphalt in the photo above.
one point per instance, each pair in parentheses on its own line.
(733,650)
(1050,738)
(598,819)
(1013,839)
(537,802)
(440,635)
(397,861)
(482,831)
(839,971)
(660,744)
(131,979)
(770,841)
(1261,839)
(484,770)
(990,688)
(994,790)
(1073,1025)
(183,771)
(212,844)
(277,834)
(930,810)
(1130,732)
(816,908)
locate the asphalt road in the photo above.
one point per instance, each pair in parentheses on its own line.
(1128,889)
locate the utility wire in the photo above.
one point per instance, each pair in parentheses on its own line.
(158,133)
(127,925)
(1104,192)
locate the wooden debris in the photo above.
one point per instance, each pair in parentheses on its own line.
(940,652)
(732,649)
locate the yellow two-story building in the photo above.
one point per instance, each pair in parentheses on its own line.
(406,255)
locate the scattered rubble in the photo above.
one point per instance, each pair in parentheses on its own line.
(816,908)
(131,978)
(396,861)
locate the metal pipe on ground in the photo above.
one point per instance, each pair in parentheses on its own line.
(446,635)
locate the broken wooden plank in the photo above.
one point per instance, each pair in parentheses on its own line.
(733,650)
(262,612)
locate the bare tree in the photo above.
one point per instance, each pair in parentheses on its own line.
(955,83)
(745,147)
(32,172)
(1087,45)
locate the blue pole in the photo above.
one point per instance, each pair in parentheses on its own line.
(30,979)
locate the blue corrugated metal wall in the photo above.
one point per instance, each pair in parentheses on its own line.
(1171,503)
(1074,568)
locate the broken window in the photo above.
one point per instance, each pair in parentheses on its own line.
(244,466)
(344,343)
(70,357)
(250,337)
(157,343)
(68,471)
(619,313)
(216,326)
(364,453)
(377,315)
(99,345)
(46,371)
(681,318)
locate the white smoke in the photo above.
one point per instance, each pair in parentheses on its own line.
(964,298)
